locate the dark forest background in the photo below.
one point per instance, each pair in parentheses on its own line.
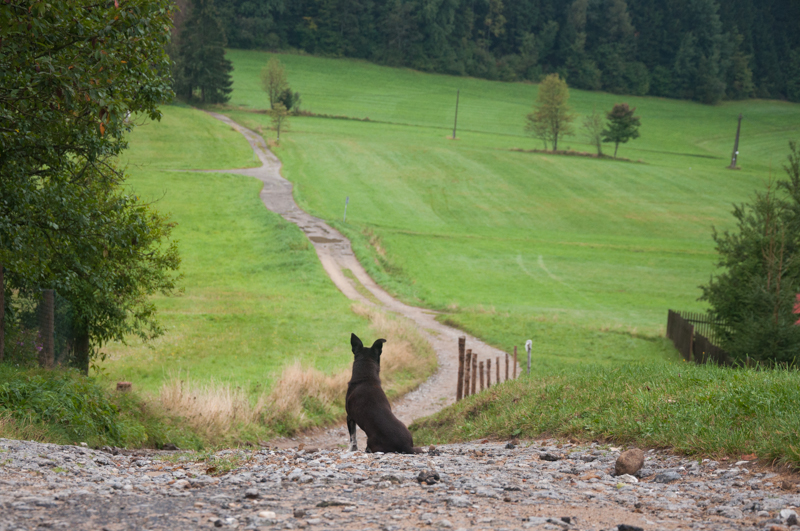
(702,50)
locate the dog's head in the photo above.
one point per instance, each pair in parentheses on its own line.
(373,352)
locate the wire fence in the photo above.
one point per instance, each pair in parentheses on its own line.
(36,329)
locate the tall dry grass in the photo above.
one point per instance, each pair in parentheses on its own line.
(301,397)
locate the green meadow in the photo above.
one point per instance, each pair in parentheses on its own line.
(255,297)
(582,255)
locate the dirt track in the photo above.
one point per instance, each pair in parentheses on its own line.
(336,255)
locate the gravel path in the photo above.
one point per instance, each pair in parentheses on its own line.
(478,485)
(336,255)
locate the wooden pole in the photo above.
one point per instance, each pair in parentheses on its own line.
(506,367)
(455,123)
(515,362)
(460,387)
(474,371)
(468,372)
(480,365)
(497,369)
(488,373)
(462,343)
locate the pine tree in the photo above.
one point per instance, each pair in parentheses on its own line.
(201,62)
(756,293)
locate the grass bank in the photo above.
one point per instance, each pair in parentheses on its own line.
(696,410)
(64,407)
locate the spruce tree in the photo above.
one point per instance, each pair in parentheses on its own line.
(755,294)
(201,62)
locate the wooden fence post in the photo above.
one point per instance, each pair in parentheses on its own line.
(462,343)
(474,371)
(480,368)
(515,362)
(506,367)
(488,373)
(497,369)
(460,386)
(468,373)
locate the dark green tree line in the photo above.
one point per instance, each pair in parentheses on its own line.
(705,50)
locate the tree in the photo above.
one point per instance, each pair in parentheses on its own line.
(280,116)
(71,74)
(755,294)
(593,129)
(201,62)
(551,118)
(273,80)
(622,126)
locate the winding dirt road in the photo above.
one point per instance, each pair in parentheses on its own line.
(336,255)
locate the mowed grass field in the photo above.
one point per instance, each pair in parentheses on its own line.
(255,296)
(584,256)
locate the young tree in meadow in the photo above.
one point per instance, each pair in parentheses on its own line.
(200,62)
(551,118)
(756,293)
(280,116)
(593,129)
(623,125)
(274,82)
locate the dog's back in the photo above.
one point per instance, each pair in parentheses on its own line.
(367,406)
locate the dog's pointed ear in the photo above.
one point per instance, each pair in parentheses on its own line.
(355,343)
(378,345)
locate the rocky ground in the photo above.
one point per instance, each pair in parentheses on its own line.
(477,485)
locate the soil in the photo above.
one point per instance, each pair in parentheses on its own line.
(336,255)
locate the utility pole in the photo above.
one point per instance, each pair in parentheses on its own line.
(736,145)
(458,93)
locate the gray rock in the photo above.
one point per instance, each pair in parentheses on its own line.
(485,492)
(667,477)
(458,501)
(727,511)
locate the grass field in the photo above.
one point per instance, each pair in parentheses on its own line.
(255,295)
(514,245)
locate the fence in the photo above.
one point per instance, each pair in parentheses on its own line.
(695,335)
(472,372)
(35,328)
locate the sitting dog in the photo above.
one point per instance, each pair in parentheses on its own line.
(367,406)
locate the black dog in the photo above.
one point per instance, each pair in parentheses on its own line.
(366,404)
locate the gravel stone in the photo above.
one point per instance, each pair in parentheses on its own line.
(140,489)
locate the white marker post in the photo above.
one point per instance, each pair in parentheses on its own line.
(529,347)
(344,219)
